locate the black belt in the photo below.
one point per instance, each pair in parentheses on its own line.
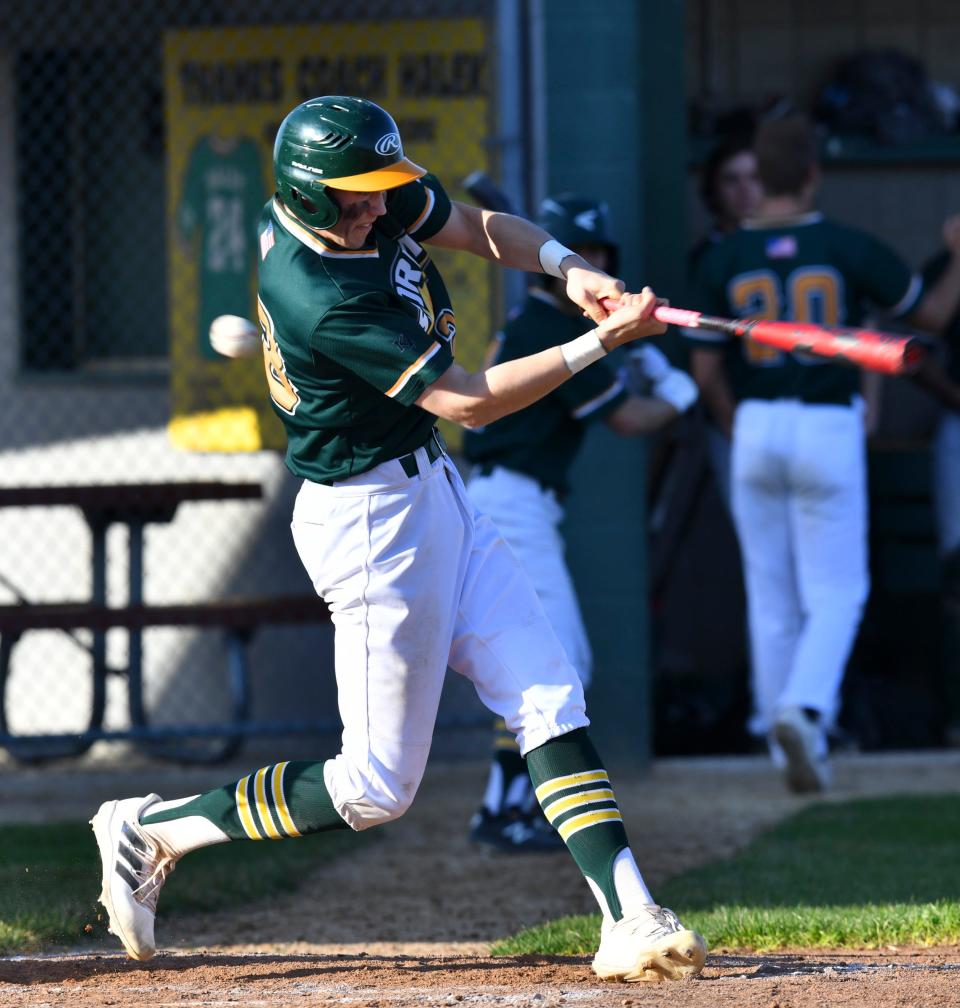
(434,447)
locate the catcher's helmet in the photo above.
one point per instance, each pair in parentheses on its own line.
(578,220)
(346,143)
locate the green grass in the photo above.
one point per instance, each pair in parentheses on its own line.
(50,880)
(858,874)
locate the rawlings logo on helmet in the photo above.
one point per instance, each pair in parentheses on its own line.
(389,143)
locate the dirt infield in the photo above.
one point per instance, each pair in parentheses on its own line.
(410,920)
(774,981)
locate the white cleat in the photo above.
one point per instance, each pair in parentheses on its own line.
(651,945)
(134,870)
(804,744)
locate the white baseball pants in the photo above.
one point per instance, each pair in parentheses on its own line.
(528,517)
(800,508)
(416,580)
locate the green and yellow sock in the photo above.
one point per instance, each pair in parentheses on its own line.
(575,793)
(276,802)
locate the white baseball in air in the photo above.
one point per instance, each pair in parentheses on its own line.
(234,336)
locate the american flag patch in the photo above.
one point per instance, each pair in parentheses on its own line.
(781,247)
(266,240)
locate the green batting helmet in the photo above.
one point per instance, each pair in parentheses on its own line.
(341,142)
(578,220)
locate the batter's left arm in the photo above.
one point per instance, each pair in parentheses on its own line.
(517,243)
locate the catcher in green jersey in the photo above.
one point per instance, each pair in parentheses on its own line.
(520,478)
(799,498)
(358,333)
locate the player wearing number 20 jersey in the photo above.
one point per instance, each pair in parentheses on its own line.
(805,269)
(798,467)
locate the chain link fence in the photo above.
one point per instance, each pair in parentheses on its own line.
(135,158)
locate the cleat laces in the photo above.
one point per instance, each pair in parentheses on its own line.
(148,891)
(664,922)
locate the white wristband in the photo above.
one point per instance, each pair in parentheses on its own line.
(551,254)
(582,351)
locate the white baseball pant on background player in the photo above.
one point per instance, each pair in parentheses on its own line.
(800,509)
(474,609)
(528,516)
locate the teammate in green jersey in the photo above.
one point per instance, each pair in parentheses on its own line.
(358,335)
(520,479)
(798,467)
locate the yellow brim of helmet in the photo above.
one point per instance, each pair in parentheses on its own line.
(383,178)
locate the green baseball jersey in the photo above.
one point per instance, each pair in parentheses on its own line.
(542,440)
(932,271)
(222,196)
(805,269)
(352,337)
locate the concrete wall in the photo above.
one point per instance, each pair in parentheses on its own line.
(612,106)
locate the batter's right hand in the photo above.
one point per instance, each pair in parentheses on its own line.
(632,320)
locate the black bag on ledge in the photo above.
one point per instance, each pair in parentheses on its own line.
(884,94)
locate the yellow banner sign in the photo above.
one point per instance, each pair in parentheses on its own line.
(226,92)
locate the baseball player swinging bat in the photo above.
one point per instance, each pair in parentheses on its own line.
(864,348)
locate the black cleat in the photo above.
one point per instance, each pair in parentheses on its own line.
(515,832)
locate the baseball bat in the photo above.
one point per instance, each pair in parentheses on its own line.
(864,348)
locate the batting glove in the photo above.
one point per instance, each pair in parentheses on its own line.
(665,382)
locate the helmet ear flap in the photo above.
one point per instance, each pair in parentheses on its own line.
(318,210)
